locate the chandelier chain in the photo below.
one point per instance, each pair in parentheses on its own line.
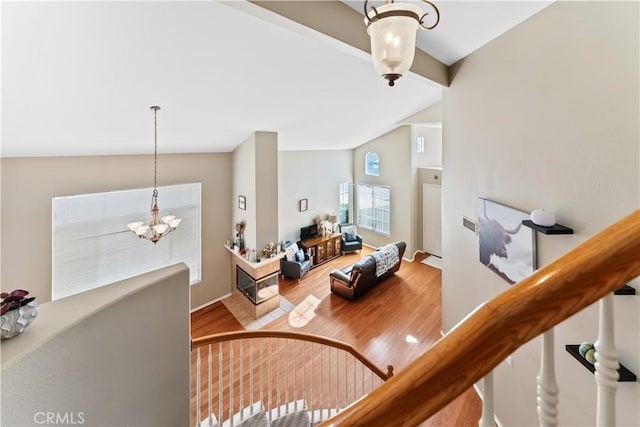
(155,145)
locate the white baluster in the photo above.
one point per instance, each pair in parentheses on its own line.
(547,386)
(269,378)
(220,382)
(606,365)
(337,376)
(251,367)
(295,369)
(313,371)
(261,372)
(329,385)
(198,416)
(486,420)
(241,378)
(210,361)
(346,381)
(231,383)
(278,375)
(286,377)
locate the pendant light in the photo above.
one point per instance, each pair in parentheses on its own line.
(392,28)
(157,228)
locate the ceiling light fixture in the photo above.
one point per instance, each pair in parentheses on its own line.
(392,28)
(156,229)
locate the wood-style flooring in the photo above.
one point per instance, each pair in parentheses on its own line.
(394,323)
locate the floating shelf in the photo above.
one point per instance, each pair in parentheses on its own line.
(624,375)
(554,229)
(625,290)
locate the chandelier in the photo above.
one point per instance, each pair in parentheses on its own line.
(392,28)
(157,228)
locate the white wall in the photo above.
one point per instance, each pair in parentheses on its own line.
(394,149)
(546,116)
(312,175)
(113,356)
(29,183)
(432,155)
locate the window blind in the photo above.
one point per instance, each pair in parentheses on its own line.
(93,247)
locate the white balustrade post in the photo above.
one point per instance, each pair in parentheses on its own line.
(547,385)
(486,420)
(606,365)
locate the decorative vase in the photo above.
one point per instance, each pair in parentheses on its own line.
(543,218)
(241,240)
(14,322)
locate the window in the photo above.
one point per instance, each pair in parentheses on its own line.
(420,144)
(345,195)
(93,247)
(374,208)
(372,164)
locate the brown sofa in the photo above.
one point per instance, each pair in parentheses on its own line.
(359,278)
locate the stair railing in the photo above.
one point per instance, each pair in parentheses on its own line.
(239,374)
(494,330)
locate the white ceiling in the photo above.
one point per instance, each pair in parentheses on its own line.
(78,77)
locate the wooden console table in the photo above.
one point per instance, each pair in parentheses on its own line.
(323,248)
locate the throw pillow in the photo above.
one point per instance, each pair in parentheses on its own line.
(349,228)
(350,236)
(290,252)
(300,255)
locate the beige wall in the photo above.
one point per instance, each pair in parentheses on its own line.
(546,116)
(255,176)
(266,189)
(28,184)
(118,355)
(312,175)
(394,149)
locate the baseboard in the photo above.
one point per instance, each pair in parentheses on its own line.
(207,304)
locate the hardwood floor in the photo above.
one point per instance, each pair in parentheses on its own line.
(393,324)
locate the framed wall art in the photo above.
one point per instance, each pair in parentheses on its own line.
(303,205)
(506,247)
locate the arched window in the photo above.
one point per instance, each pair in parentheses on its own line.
(372,164)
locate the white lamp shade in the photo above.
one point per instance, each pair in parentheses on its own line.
(141,230)
(174,223)
(134,225)
(393,39)
(167,219)
(160,228)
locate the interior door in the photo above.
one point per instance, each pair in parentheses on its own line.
(432,219)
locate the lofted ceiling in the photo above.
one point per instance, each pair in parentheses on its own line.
(78,78)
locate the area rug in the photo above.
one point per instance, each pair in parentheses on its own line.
(433,261)
(247,321)
(304,312)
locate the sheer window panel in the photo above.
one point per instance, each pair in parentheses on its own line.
(93,247)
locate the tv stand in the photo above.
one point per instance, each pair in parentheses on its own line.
(322,248)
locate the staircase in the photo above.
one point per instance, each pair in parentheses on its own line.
(281,373)
(272,375)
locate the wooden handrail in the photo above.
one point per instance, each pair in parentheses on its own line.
(238,335)
(496,329)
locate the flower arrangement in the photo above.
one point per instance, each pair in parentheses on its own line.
(240,235)
(14,300)
(17,312)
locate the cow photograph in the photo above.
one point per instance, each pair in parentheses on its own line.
(506,246)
